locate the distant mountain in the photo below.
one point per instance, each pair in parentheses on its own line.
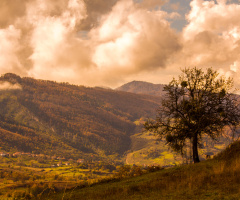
(140,87)
(61,119)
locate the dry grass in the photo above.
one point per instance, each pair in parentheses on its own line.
(218,178)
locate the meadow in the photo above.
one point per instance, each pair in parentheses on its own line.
(25,177)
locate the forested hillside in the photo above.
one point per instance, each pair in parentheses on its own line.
(62,119)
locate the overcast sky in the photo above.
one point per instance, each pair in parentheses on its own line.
(108,43)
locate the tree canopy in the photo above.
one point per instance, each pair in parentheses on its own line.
(196,103)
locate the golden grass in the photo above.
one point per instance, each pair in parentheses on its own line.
(218,178)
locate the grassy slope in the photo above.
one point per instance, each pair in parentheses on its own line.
(218,178)
(146,150)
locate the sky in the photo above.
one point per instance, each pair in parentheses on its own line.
(109,43)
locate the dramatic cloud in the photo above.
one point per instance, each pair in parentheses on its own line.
(95,9)
(10,11)
(57,51)
(89,42)
(97,42)
(133,40)
(212,36)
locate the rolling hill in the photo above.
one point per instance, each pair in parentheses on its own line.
(73,121)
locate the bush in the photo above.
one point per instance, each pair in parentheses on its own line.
(128,171)
(153,168)
(35,190)
(20,195)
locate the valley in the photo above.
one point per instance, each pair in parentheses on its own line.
(56,136)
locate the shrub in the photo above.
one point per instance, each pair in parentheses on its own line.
(128,171)
(153,168)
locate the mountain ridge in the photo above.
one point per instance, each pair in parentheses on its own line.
(141,87)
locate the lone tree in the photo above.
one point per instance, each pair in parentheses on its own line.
(197,103)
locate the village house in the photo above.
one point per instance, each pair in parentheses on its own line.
(17,154)
(59,164)
(80,161)
(3,154)
(54,157)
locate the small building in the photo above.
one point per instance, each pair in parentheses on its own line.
(3,154)
(54,157)
(17,154)
(59,164)
(80,161)
(60,158)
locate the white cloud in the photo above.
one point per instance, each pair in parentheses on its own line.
(212,36)
(9,40)
(57,51)
(133,40)
(235,66)
(9,86)
(211,16)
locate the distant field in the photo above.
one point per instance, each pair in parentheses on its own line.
(25,175)
(147,150)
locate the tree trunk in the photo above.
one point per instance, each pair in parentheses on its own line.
(195,148)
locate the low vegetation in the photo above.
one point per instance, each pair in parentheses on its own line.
(217,178)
